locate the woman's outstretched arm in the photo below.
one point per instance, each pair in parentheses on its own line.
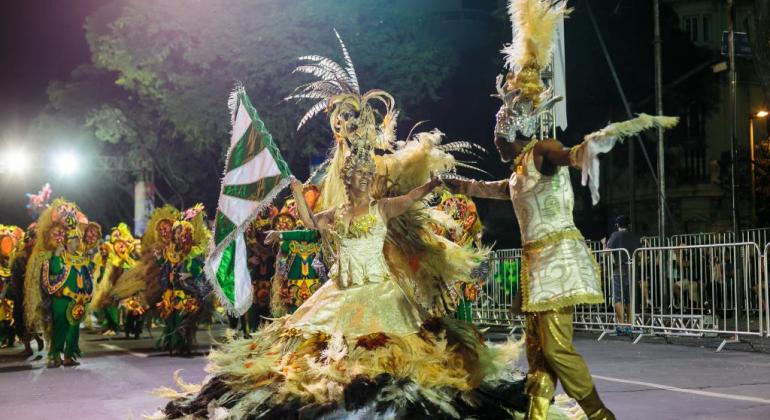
(396,206)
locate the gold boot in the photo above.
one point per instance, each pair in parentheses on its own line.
(538,408)
(594,408)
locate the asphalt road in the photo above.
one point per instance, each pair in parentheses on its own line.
(643,381)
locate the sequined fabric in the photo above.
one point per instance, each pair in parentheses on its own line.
(559,270)
(362,298)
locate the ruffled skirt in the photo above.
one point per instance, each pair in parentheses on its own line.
(445,370)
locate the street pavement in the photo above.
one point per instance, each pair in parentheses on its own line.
(642,381)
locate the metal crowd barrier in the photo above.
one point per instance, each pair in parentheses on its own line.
(615,281)
(701,290)
(759,236)
(495,298)
(706,238)
(696,290)
(766,285)
(653,241)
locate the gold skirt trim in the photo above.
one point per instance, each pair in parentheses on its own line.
(572,300)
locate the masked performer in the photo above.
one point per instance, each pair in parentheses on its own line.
(558,269)
(261,261)
(97,253)
(19,267)
(299,270)
(463,228)
(376,337)
(184,288)
(11,245)
(118,258)
(58,282)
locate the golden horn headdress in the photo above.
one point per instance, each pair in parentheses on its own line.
(524,95)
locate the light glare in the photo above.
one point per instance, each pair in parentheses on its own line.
(762,114)
(15,161)
(66,163)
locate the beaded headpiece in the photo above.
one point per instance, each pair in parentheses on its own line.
(524,95)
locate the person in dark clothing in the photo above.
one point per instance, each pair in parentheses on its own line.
(622,238)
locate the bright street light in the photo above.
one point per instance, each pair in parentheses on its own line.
(762,114)
(15,161)
(66,163)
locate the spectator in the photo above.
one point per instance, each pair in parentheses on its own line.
(685,284)
(623,238)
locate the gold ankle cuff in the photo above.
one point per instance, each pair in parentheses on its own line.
(538,408)
(594,408)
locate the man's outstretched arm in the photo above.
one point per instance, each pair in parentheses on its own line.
(496,190)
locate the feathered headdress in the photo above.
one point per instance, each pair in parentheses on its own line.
(359,129)
(522,91)
(337,92)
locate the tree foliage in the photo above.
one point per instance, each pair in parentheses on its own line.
(160,73)
(185,57)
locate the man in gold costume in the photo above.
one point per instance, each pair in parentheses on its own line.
(558,270)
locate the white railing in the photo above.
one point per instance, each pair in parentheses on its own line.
(760,236)
(718,289)
(765,286)
(615,282)
(495,301)
(653,241)
(706,238)
(701,290)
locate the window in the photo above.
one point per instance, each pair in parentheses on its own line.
(706,27)
(691,27)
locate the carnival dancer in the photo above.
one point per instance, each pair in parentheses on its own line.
(463,228)
(20,326)
(375,339)
(11,245)
(184,289)
(299,267)
(558,270)
(117,258)
(60,267)
(261,260)
(138,287)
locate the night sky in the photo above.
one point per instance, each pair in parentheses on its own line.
(44,40)
(40,40)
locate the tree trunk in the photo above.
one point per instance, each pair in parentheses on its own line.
(759,27)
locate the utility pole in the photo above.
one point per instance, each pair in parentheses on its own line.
(143,186)
(733,107)
(657,41)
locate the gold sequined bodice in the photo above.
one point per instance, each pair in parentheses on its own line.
(360,257)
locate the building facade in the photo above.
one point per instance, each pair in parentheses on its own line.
(698,180)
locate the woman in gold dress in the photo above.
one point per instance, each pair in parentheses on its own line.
(378,339)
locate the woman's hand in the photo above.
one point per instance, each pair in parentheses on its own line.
(434,182)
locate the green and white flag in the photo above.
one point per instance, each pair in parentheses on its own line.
(255,173)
